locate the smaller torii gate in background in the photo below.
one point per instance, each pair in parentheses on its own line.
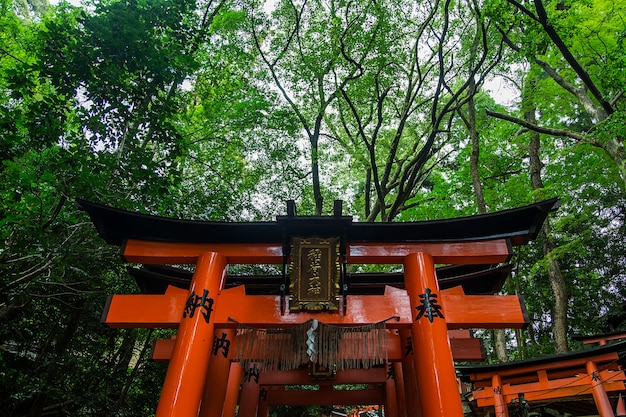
(314,293)
(580,377)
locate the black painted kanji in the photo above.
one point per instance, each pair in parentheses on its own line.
(390,373)
(252,372)
(408,349)
(194,301)
(428,306)
(263,394)
(221,343)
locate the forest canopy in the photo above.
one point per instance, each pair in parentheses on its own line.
(225,109)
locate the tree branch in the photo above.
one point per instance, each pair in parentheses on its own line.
(595,111)
(524,10)
(545,130)
(569,57)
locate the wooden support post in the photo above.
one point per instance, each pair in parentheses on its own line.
(264,405)
(599,393)
(250,392)
(620,409)
(391,399)
(217,376)
(400,390)
(232,389)
(439,393)
(499,403)
(186,373)
(410,380)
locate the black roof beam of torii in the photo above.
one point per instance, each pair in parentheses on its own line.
(518,225)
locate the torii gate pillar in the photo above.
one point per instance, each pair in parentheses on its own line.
(411,393)
(400,389)
(434,368)
(186,374)
(218,372)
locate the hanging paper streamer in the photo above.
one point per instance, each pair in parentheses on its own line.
(312,342)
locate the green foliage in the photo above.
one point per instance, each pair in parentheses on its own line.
(165,107)
(110,104)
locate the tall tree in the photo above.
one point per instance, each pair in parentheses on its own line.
(557,282)
(109,103)
(578,46)
(376,69)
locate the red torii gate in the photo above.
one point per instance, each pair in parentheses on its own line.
(421,311)
(591,373)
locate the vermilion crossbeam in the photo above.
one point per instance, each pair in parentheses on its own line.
(461,311)
(515,375)
(475,252)
(546,389)
(346,376)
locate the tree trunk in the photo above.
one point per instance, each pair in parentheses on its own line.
(129,381)
(315,170)
(559,291)
(474,157)
(499,335)
(557,282)
(51,370)
(513,287)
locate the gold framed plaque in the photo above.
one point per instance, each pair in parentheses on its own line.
(315,274)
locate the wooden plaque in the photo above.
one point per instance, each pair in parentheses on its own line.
(315,272)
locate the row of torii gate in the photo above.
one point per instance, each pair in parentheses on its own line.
(252,345)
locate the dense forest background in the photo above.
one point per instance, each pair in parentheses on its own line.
(224,109)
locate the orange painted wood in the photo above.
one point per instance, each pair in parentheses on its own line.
(249,396)
(459,333)
(264,311)
(553,388)
(463,350)
(165,311)
(187,371)
(476,252)
(410,380)
(264,407)
(598,390)
(372,395)
(552,375)
(141,251)
(475,311)
(620,409)
(391,401)
(162,350)
(467,349)
(146,310)
(500,406)
(232,389)
(217,377)
(346,376)
(509,376)
(434,367)
(602,340)
(398,376)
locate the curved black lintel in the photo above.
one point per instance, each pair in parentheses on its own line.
(520,225)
